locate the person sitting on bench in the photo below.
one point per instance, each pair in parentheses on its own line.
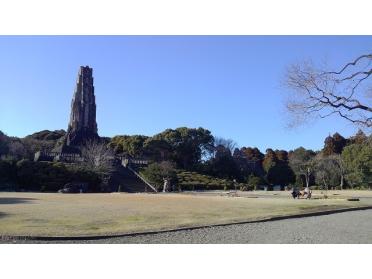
(307,193)
(295,193)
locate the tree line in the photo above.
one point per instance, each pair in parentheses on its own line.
(342,163)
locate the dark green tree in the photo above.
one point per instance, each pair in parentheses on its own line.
(4,140)
(358,163)
(47,135)
(278,171)
(157,150)
(280,174)
(270,160)
(189,146)
(249,161)
(131,145)
(155,173)
(223,164)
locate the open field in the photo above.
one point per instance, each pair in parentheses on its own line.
(39,214)
(317,194)
(354,227)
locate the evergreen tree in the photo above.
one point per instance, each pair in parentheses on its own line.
(358,163)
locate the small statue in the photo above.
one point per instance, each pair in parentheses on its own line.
(166,185)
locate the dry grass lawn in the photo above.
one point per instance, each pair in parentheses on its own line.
(40,214)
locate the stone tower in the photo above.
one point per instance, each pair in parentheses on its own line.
(83,126)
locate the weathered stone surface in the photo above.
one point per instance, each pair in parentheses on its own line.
(83,126)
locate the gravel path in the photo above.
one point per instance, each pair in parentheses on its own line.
(347,227)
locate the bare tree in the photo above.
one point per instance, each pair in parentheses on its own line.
(346,92)
(330,171)
(227,143)
(17,149)
(340,167)
(323,172)
(33,145)
(97,156)
(303,168)
(303,163)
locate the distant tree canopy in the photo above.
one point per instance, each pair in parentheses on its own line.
(249,161)
(359,138)
(252,154)
(47,135)
(302,163)
(223,165)
(334,144)
(4,144)
(343,162)
(158,149)
(227,143)
(327,173)
(185,146)
(357,158)
(189,146)
(276,166)
(197,150)
(26,147)
(132,145)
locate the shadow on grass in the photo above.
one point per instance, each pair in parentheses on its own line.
(2,214)
(11,200)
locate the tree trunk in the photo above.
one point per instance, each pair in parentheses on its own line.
(325,184)
(307,178)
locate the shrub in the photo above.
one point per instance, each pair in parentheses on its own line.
(190,181)
(156,173)
(254,182)
(44,176)
(8,171)
(245,187)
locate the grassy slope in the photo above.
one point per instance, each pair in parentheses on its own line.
(101,214)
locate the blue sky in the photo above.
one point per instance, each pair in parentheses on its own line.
(230,85)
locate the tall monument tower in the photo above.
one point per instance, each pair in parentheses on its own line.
(83,126)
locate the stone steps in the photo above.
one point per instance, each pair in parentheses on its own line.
(129,182)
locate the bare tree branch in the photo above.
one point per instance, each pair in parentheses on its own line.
(228,143)
(324,93)
(97,156)
(368,56)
